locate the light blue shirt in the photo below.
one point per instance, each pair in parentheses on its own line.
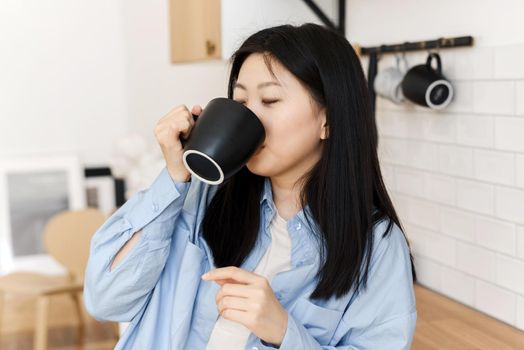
(157,286)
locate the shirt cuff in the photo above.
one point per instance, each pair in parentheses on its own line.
(292,337)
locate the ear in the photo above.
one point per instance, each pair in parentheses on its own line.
(324,131)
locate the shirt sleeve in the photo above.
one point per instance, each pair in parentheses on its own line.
(382,316)
(119,294)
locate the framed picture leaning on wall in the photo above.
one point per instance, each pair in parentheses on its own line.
(32,190)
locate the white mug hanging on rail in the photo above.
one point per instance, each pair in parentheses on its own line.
(387,82)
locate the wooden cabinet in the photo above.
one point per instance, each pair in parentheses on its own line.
(195,30)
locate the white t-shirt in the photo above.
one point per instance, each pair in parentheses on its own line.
(232,335)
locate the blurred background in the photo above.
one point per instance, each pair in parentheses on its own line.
(82,85)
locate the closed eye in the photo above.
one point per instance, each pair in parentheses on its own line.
(266,102)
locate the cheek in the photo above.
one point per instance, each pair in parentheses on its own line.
(293,139)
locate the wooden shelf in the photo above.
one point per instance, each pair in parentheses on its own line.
(195,30)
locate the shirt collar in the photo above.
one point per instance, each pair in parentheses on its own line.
(267,197)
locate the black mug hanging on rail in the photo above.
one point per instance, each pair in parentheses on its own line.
(427,86)
(225,136)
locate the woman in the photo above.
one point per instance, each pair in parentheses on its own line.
(303,247)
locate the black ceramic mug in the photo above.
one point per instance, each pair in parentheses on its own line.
(225,135)
(426,86)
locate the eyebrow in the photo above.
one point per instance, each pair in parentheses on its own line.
(261,85)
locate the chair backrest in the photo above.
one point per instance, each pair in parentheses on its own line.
(67,238)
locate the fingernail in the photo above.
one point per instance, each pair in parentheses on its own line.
(204,276)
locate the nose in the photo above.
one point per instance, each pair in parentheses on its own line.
(255,110)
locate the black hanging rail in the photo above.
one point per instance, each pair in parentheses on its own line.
(419,45)
(374,54)
(325,19)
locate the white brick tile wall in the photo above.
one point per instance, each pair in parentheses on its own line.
(401,205)
(393,151)
(476,261)
(520,312)
(471,64)
(475,196)
(423,213)
(440,188)
(510,204)
(462,97)
(496,301)
(439,127)
(496,235)
(457,180)
(475,130)
(410,181)
(455,160)
(494,166)
(519,98)
(388,176)
(507,62)
(437,247)
(458,223)
(508,133)
(520,170)
(458,285)
(422,155)
(428,272)
(520,242)
(510,273)
(494,97)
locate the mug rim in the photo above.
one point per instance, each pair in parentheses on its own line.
(210,182)
(448,99)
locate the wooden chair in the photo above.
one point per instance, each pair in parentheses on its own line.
(67,237)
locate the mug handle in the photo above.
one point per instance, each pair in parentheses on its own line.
(439,63)
(183,140)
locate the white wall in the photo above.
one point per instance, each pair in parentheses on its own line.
(154,85)
(457,176)
(77,76)
(62,77)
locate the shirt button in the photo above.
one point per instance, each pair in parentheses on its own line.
(254,348)
(155,207)
(299,226)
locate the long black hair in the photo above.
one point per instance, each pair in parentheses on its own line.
(344,190)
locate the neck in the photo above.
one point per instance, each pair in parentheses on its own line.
(286,190)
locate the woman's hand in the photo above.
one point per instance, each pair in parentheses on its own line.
(177,123)
(247,298)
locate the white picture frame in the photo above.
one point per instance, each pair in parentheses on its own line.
(100,194)
(32,189)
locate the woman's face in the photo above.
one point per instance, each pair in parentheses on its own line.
(294,124)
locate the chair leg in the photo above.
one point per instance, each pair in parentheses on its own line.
(42,308)
(1,309)
(81,318)
(116,329)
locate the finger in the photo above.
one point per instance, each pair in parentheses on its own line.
(235,273)
(238,316)
(196,109)
(184,127)
(235,303)
(236,290)
(226,280)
